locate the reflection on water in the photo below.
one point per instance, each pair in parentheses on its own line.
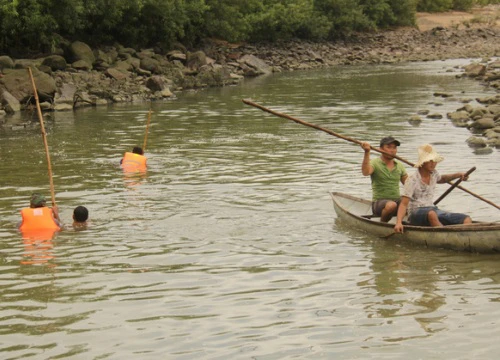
(37,251)
(227,247)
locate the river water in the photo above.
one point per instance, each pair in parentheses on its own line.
(229,248)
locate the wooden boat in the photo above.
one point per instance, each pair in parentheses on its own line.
(479,237)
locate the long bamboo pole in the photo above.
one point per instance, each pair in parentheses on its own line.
(251,103)
(44,135)
(455,184)
(147,130)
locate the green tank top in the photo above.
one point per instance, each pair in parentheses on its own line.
(385,182)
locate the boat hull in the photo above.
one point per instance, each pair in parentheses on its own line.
(478,237)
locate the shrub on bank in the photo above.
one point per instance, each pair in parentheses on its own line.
(38,27)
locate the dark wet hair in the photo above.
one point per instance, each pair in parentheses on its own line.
(80,214)
(138,150)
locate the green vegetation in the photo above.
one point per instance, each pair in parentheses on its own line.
(39,26)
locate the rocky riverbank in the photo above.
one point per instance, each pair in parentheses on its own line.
(75,75)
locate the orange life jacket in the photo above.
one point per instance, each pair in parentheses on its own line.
(134,162)
(38,224)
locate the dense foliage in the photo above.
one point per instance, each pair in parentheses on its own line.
(40,25)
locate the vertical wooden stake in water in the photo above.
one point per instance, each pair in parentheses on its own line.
(44,135)
(147,130)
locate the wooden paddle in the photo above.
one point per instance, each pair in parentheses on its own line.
(44,135)
(251,103)
(147,130)
(455,184)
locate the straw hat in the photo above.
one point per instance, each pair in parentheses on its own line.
(427,153)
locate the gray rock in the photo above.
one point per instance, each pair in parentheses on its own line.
(196,60)
(26,63)
(493,109)
(483,123)
(458,116)
(253,66)
(82,65)
(65,94)
(156,83)
(151,65)
(78,51)
(55,62)
(10,103)
(476,142)
(475,70)
(117,74)
(18,83)
(6,62)
(177,55)
(492,133)
(435,116)
(63,107)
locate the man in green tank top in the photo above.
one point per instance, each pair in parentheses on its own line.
(385,173)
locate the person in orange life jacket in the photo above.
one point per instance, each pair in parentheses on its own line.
(80,217)
(134,160)
(38,216)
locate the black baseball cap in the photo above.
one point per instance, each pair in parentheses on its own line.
(389,140)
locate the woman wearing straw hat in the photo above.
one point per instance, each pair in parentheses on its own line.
(418,194)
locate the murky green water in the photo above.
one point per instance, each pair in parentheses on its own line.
(228,247)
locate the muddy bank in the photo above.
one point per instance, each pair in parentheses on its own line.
(76,76)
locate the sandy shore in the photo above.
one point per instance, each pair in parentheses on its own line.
(458,19)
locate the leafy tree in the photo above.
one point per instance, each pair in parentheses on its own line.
(105,19)
(346,16)
(36,25)
(297,18)
(67,14)
(164,22)
(404,12)
(230,19)
(378,11)
(26,24)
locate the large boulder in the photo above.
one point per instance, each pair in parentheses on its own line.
(151,65)
(82,65)
(55,62)
(65,94)
(9,102)
(18,83)
(196,60)
(6,62)
(107,55)
(78,51)
(475,70)
(458,116)
(476,142)
(483,123)
(117,74)
(253,66)
(157,83)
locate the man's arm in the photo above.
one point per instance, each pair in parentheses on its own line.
(398,228)
(55,215)
(366,168)
(448,177)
